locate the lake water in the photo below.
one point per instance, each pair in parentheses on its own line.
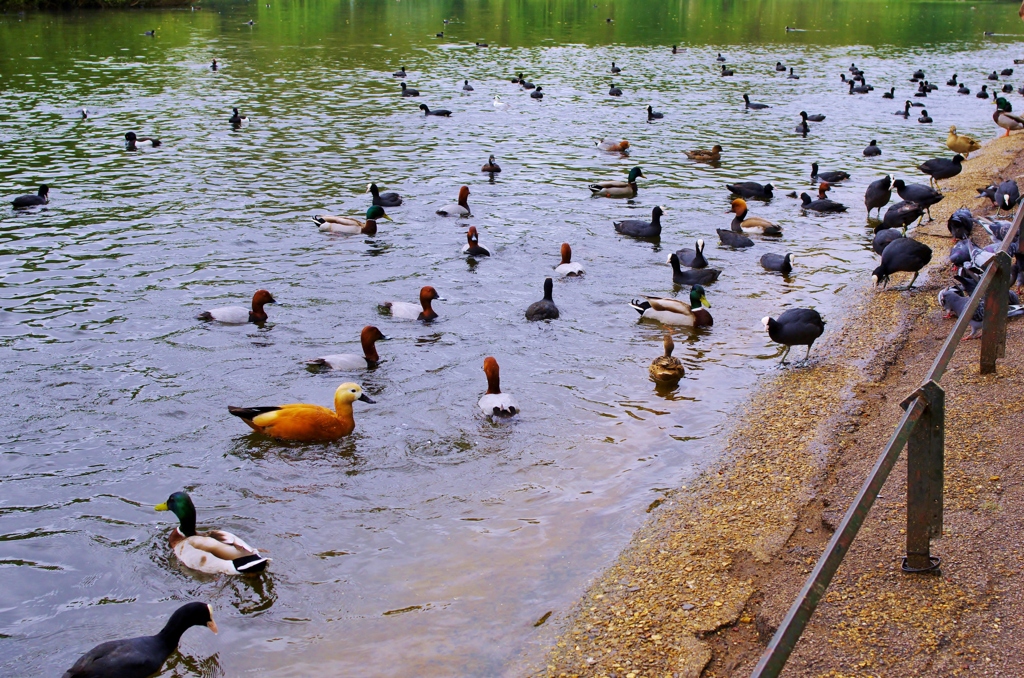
(430,541)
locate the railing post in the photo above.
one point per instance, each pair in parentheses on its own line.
(993,332)
(925,475)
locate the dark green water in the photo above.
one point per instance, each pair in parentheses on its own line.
(430,541)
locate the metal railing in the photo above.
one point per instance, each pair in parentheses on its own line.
(922,430)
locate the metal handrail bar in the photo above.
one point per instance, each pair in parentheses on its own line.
(917,405)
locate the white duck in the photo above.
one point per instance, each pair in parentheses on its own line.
(494,403)
(499,104)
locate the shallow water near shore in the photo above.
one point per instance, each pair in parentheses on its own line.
(430,541)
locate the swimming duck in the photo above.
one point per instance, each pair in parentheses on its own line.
(830,177)
(872,149)
(741,223)
(537,93)
(134,143)
(618,189)
(878,193)
(494,403)
(777,262)
(213,552)
(925,196)
(353,361)
(753,106)
(900,215)
(858,89)
(350,225)
(612,146)
(213,66)
(665,369)
(615,69)
(389,199)
(544,309)
(1006,197)
(306,423)
(145,655)
(906,109)
(795,327)
(676,50)
(466,87)
(751,189)
(407,311)
(652,114)
(821,205)
(614,91)
(472,246)
(727,71)
(952,81)
(236,119)
(41,197)
(692,276)
(733,239)
(409,91)
(675,312)
(904,254)
(693,258)
(924,118)
(891,94)
(983,94)
(236,315)
(817,117)
(720,57)
(568,267)
(459,209)
(440,112)
(941,168)
(642,229)
(1005,117)
(499,104)
(491,167)
(792,75)
(704,155)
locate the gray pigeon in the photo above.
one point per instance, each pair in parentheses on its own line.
(954,303)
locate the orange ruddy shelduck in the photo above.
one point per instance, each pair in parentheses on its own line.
(494,403)
(306,423)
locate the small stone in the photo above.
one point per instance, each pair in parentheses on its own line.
(687,606)
(808,530)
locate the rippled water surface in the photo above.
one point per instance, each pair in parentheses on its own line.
(430,541)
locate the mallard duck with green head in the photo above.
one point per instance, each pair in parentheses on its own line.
(618,189)
(213,552)
(1005,117)
(675,312)
(350,225)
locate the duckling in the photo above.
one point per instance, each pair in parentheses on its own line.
(568,267)
(41,197)
(665,369)
(753,106)
(614,91)
(440,112)
(466,87)
(306,423)
(692,276)
(461,208)
(494,403)
(134,143)
(638,228)
(795,327)
(612,146)
(236,118)
(618,189)
(830,177)
(329,223)
(213,552)
(407,311)
(144,655)
(741,223)
(872,149)
(1005,117)
(236,315)
(537,93)
(490,167)
(891,94)
(472,246)
(983,94)
(704,155)
(368,338)
(652,114)
(924,118)
(669,311)
(400,73)
(409,91)
(389,199)
(544,309)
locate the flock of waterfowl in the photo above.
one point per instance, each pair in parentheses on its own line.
(221,552)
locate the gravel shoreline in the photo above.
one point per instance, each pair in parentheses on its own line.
(702,586)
